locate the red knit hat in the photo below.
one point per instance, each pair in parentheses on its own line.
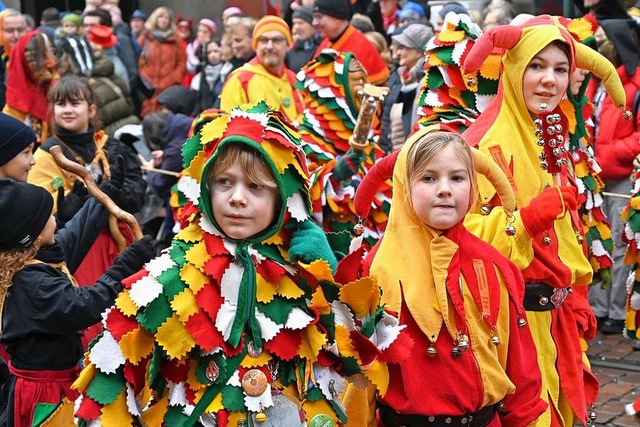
(269,23)
(102,36)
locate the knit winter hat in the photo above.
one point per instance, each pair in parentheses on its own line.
(25,210)
(305,13)
(73,18)
(102,36)
(414,36)
(340,9)
(15,136)
(269,23)
(178,99)
(210,25)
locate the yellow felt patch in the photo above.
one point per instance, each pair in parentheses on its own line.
(185,305)
(312,342)
(320,270)
(197,255)
(213,130)
(581,28)
(281,156)
(86,375)
(490,68)
(320,406)
(451,36)
(343,340)
(196,166)
(125,304)
(362,296)
(155,414)
(378,374)
(265,291)
(635,202)
(192,233)
(193,277)
(254,362)
(604,230)
(582,169)
(117,412)
(319,301)
(174,338)
(288,289)
(276,239)
(136,344)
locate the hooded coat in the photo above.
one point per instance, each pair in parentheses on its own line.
(212,312)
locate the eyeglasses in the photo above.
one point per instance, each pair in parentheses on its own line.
(275,40)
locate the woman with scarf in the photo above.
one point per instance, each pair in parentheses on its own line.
(547,240)
(163,60)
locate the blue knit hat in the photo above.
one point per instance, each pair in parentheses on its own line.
(15,136)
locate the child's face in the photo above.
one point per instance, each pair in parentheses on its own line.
(546,79)
(47,236)
(213,53)
(18,168)
(440,197)
(241,208)
(74,115)
(69,28)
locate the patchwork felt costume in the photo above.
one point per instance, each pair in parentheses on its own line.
(328,121)
(447,96)
(587,169)
(216,330)
(461,302)
(553,261)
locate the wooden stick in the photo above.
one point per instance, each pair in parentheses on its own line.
(95,191)
(623,196)
(162,171)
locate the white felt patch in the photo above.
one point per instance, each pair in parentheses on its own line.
(106,354)
(145,290)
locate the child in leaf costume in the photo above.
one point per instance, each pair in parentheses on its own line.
(238,321)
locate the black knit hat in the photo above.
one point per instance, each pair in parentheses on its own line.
(25,210)
(303,12)
(178,99)
(15,136)
(340,9)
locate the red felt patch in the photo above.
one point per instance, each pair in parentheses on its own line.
(216,266)
(135,374)
(285,344)
(366,349)
(399,350)
(209,300)
(119,324)
(134,278)
(173,371)
(89,409)
(270,270)
(214,245)
(349,267)
(204,331)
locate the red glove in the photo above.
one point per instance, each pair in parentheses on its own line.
(551,203)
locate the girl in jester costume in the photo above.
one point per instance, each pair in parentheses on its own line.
(331,83)
(460,299)
(548,245)
(243,318)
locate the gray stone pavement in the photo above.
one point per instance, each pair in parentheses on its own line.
(617,366)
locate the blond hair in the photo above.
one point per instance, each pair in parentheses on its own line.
(150,24)
(250,161)
(430,146)
(12,261)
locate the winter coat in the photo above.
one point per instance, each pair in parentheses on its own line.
(163,64)
(115,108)
(174,134)
(617,139)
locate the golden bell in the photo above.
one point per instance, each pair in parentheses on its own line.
(455,352)
(543,301)
(261,417)
(522,322)
(495,340)
(358,229)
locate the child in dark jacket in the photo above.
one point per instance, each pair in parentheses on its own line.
(43,309)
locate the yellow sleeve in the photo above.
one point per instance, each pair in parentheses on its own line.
(232,93)
(360,405)
(491,228)
(45,171)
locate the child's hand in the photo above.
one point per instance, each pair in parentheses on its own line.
(547,206)
(132,259)
(309,243)
(70,204)
(113,187)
